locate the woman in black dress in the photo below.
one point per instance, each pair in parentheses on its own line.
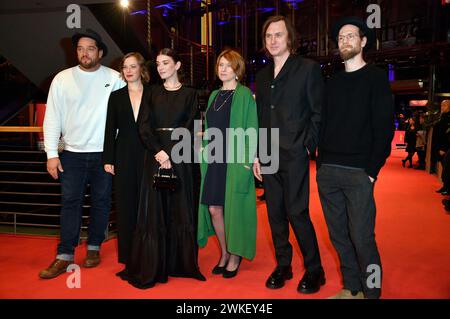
(123,152)
(410,140)
(164,243)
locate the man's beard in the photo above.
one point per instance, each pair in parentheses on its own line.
(89,64)
(349,53)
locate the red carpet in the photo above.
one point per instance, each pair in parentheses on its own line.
(413,234)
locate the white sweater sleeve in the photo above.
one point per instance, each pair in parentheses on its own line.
(52,120)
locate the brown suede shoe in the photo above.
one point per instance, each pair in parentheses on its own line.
(347,294)
(57,267)
(92,259)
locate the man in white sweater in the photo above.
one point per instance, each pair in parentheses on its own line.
(76,113)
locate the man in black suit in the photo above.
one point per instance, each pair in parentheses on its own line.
(441,145)
(289,98)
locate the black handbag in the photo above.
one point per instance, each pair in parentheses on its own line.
(163,180)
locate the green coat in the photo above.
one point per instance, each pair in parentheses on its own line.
(240,198)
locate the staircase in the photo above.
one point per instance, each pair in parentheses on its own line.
(30,200)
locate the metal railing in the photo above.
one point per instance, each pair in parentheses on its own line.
(21,129)
(196,59)
(11,216)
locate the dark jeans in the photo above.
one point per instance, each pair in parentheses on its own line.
(81,169)
(349,207)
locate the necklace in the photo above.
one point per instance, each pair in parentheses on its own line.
(173,88)
(223,103)
(225,92)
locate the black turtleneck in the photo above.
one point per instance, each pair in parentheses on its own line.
(357,120)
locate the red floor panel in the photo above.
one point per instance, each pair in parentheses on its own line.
(413,234)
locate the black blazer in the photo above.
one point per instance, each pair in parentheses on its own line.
(121,132)
(291,102)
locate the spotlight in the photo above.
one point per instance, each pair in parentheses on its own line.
(124,3)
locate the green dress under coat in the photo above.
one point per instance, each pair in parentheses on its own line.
(240,197)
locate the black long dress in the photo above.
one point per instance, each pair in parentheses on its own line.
(123,149)
(164,243)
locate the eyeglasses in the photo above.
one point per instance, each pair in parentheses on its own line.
(349,37)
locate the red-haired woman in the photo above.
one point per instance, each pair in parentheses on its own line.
(227,195)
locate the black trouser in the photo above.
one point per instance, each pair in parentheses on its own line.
(287,198)
(349,207)
(421,154)
(409,157)
(446,170)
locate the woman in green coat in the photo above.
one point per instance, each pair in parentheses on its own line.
(227,195)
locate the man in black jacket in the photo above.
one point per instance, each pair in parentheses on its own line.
(355,141)
(289,97)
(441,145)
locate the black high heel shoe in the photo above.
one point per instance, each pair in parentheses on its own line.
(123,274)
(230,274)
(218,270)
